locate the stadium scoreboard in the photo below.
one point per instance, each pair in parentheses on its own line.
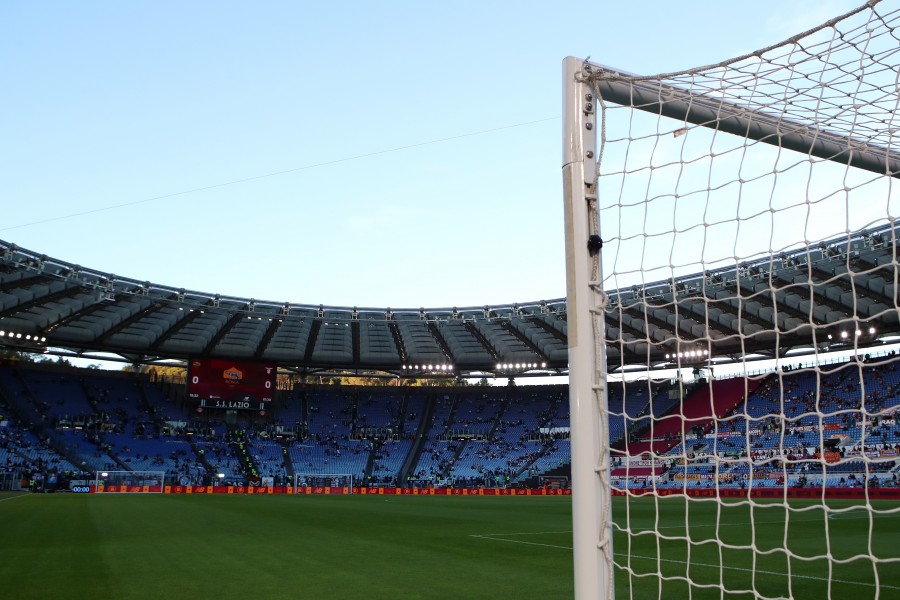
(231,384)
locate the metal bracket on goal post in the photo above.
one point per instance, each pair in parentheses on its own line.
(589,437)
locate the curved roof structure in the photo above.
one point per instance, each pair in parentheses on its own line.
(840,292)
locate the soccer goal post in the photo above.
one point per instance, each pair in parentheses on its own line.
(130,482)
(343,481)
(732,268)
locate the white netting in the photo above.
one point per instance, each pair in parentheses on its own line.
(747,212)
(132,482)
(324,480)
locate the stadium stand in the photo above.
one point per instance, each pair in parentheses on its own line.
(68,423)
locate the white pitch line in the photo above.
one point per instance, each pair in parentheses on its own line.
(525,533)
(682,562)
(22,495)
(497,539)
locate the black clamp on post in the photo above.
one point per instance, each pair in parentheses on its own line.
(594,244)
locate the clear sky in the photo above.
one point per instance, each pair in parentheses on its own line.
(397,154)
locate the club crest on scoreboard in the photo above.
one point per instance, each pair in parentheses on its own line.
(233,374)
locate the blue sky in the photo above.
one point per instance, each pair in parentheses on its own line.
(385,154)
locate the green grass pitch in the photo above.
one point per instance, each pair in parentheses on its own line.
(220,546)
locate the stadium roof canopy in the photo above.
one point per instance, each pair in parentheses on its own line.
(838,294)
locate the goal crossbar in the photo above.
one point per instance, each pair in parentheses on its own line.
(669,101)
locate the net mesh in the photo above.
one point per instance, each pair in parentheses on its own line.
(747,215)
(324,480)
(130,481)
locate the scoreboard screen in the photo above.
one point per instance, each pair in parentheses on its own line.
(231,384)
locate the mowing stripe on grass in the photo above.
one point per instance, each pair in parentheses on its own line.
(834,516)
(493,536)
(692,526)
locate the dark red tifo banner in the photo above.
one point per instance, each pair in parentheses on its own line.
(812,493)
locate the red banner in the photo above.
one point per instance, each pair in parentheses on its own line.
(847,493)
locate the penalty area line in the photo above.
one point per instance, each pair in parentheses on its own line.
(494,537)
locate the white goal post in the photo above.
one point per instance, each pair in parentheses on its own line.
(130,482)
(735,219)
(588,433)
(324,480)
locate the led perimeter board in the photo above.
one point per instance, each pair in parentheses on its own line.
(231,384)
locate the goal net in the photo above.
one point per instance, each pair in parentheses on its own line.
(342,481)
(130,482)
(732,276)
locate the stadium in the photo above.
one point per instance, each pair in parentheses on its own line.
(729,425)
